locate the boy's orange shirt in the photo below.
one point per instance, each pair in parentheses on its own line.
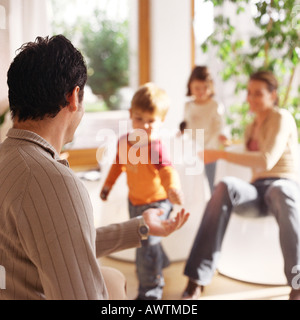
(150,173)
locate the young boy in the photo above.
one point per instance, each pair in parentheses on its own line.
(151,179)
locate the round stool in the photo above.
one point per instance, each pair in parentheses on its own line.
(251,251)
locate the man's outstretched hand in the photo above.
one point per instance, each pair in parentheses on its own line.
(163,228)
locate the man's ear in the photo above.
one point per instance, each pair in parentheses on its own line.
(73,99)
(130,113)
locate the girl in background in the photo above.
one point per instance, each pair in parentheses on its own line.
(202,111)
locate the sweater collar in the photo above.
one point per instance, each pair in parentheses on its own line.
(35,138)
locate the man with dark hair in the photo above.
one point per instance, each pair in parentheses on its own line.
(42,76)
(48,244)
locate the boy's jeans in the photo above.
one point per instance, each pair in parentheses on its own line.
(150,257)
(281,197)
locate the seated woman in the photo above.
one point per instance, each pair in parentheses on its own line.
(272,153)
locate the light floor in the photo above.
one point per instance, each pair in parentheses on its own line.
(221,288)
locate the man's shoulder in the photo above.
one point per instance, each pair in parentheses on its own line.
(32,158)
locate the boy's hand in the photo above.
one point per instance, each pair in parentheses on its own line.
(163,228)
(104,193)
(175,196)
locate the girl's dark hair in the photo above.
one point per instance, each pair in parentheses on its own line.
(41,77)
(200,73)
(268,78)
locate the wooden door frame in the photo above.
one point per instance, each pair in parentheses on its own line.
(192,34)
(144,38)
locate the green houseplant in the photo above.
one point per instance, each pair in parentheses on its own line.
(274,46)
(106,49)
(104,43)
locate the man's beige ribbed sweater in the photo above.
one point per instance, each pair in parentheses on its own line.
(48,244)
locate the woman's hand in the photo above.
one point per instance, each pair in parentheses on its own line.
(163,228)
(211,155)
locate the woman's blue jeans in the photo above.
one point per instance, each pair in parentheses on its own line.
(150,257)
(280,197)
(210,171)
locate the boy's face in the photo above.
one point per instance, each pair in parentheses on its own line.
(146,121)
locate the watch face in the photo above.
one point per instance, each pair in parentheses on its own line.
(143,230)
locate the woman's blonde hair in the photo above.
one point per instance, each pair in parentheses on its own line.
(152,99)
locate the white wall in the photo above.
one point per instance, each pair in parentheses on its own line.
(24,21)
(4,54)
(171,52)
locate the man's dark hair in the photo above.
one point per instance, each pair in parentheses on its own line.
(41,77)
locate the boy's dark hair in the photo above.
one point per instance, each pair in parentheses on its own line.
(200,73)
(41,77)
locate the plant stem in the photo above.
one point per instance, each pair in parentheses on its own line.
(267,44)
(286,96)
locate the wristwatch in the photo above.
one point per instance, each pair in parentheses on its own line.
(143,228)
